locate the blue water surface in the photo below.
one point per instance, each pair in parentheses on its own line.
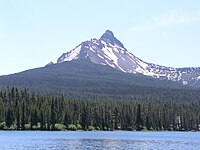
(100,140)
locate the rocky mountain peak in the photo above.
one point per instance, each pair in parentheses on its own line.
(108,50)
(109,37)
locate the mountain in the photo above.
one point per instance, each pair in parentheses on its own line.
(105,69)
(108,50)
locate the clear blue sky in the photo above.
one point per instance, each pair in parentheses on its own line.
(35,32)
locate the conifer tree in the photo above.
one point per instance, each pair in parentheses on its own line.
(139,121)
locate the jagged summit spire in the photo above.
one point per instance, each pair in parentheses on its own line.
(108,36)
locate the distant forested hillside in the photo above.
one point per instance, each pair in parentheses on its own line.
(82,79)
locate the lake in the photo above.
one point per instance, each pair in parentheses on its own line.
(100,140)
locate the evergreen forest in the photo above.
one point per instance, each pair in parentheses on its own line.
(21,109)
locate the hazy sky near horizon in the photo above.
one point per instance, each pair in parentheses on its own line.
(35,32)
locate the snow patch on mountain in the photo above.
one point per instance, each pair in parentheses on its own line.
(73,54)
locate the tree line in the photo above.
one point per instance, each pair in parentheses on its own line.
(24,110)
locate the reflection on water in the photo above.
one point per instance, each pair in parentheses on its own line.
(98,140)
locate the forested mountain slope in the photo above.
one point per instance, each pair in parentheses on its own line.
(83,79)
